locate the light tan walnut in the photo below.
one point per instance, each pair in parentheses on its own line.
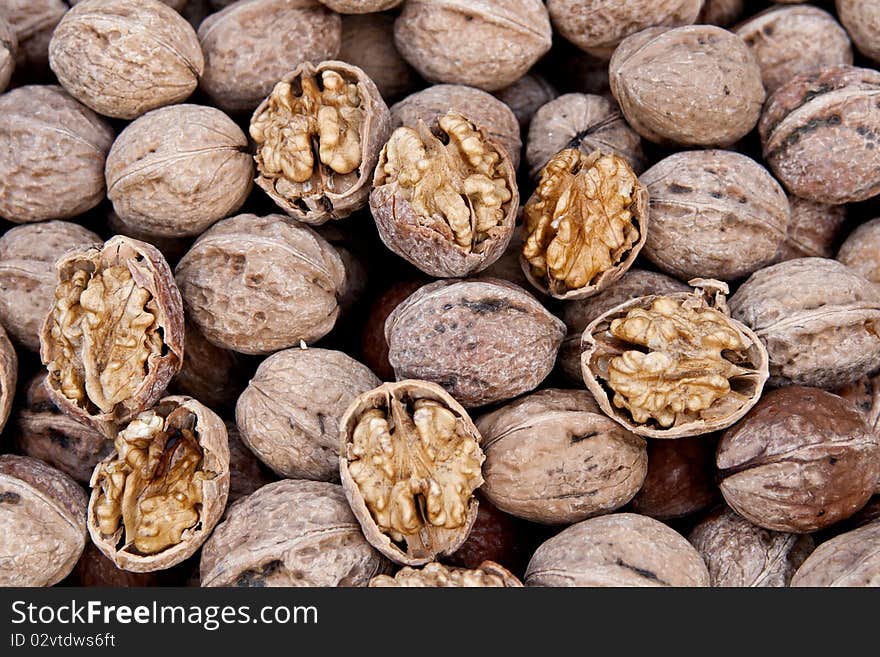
(436,575)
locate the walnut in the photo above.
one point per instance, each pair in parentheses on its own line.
(812,231)
(526,96)
(499,537)
(861,250)
(172,248)
(52,152)
(259,284)
(584,225)
(33,22)
(666,366)
(865,394)
(8,377)
(436,575)
(290,533)
(508,267)
(209,373)
(862,20)
(8,51)
(158,496)
(162,171)
(410,461)
(360,6)
(177,5)
(723,13)
(125,57)
(851,559)
(368,43)
(444,200)
(246,473)
(94,569)
(114,335)
(318,136)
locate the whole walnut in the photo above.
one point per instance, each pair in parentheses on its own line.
(741,554)
(818,318)
(526,96)
(360,6)
(485,44)
(692,86)
(209,373)
(52,152)
(289,413)
(861,18)
(247,474)
(818,133)
(621,549)
(125,57)
(252,44)
(434,575)
(259,284)
(8,377)
(290,533)
(8,51)
(368,43)
(43,523)
(496,536)
(723,13)
(812,231)
(865,394)
(714,214)
(801,460)
(162,170)
(851,559)
(33,22)
(860,251)
(484,340)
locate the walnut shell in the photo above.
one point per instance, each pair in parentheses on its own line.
(484,340)
(436,575)
(621,549)
(723,13)
(368,43)
(42,523)
(693,86)
(247,474)
(8,377)
(94,569)
(209,373)
(526,96)
(865,394)
(177,5)
(259,284)
(812,231)
(8,51)
(508,267)
(290,533)
(851,559)
(861,250)
(360,6)
(33,22)
(861,19)
(496,536)
(52,152)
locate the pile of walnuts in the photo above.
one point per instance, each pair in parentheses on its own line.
(432,293)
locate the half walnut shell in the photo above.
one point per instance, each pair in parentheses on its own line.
(436,575)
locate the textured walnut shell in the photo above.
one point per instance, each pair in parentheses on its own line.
(865,394)
(368,43)
(125,57)
(621,549)
(52,152)
(818,134)
(801,460)
(694,86)
(177,5)
(259,284)
(209,373)
(484,340)
(861,19)
(508,267)
(851,559)
(861,250)
(8,51)
(246,473)
(723,13)
(553,457)
(163,171)
(8,377)
(290,533)
(42,522)
(818,319)
(436,575)
(289,413)
(812,231)
(714,214)
(526,96)
(33,22)
(485,44)
(360,6)
(210,433)
(496,536)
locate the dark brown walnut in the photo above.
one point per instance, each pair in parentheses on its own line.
(8,52)
(484,340)
(584,225)
(290,533)
(861,250)
(819,134)
(436,575)
(673,365)
(526,96)
(259,284)
(165,169)
(42,522)
(409,461)
(350,243)
(714,214)
(740,554)
(94,569)
(289,413)
(52,152)
(723,13)
(360,6)
(8,377)
(33,22)
(865,394)
(209,373)
(113,338)
(801,460)
(861,19)
(508,267)
(692,86)
(251,45)
(812,231)
(158,496)
(818,319)
(27,274)
(621,549)
(495,536)
(246,473)
(851,559)
(553,457)
(318,136)
(445,197)
(368,43)
(125,57)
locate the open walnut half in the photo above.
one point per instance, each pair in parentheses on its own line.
(436,575)
(409,464)
(584,225)
(113,338)
(667,366)
(158,496)
(318,136)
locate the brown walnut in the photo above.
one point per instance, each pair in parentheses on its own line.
(723,13)
(865,394)
(8,377)
(8,51)
(496,536)
(94,569)
(360,6)
(434,575)
(861,18)
(851,559)
(209,373)
(247,474)
(861,250)
(526,96)
(368,43)
(812,231)
(33,22)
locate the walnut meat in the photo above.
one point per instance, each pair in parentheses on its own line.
(33,22)
(484,340)
(52,152)
(812,231)
(861,18)
(160,493)
(851,559)
(526,96)
(445,199)
(673,365)
(368,43)
(410,462)
(8,51)
(42,522)
(8,377)
(434,575)
(318,136)
(860,251)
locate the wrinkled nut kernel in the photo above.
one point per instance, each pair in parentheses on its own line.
(8,377)
(8,51)
(318,136)
(861,250)
(812,231)
(851,559)
(360,6)
(676,365)
(410,462)
(445,202)
(861,19)
(157,497)
(114,336)
(368,43)
(33,22)
(584,225)
(435,575)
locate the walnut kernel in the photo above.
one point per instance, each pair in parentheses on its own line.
(434,575)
